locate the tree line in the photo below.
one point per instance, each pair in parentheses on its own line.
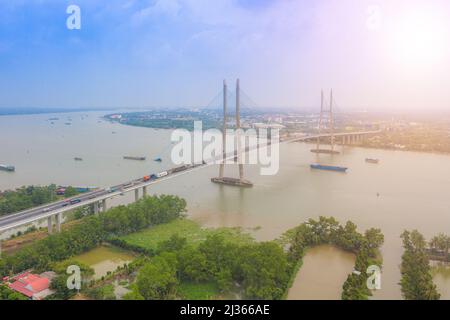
(329,231)
(92,231)
(28,197)
(416,279)
(260,270)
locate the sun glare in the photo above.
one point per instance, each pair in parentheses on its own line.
(420,38)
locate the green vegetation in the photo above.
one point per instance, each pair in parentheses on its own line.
(198,290)
(29,197)
(261,270)
(25,198)
(329,231)
(168,119)
(105,292)
(92,231)
(59,284)
(417,280)
(7,294)
(148,240)
(70,192)
(439,247)
(423,137)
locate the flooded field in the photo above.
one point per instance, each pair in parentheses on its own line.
(324,271)
(104,259)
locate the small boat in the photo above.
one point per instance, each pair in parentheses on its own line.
(7,168)
(324,151)
(157,159)
(328,168)
(78,159)
(370,160)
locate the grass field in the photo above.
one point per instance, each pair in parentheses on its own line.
(198,291)
(194,234)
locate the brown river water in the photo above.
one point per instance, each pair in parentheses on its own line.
(413,188)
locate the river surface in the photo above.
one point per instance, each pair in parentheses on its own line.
(412,187)
(313,282)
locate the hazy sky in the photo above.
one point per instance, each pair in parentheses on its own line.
(389,54)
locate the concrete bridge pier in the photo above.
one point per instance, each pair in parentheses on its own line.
(136,194)
(49,225)
(58,219)
(96,205)
(104,205)
(144,191)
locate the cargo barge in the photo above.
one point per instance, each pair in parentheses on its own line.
(328,168)
(8,168)
(369,160)
(134,158)
(233,182)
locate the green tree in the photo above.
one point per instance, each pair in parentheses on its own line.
(70,192)
(156,280)
(416,281)
(7,294)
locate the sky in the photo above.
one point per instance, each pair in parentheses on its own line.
(374,54)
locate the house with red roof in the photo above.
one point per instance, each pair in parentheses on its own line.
(33,286)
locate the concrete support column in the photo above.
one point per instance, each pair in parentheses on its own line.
(136,194)
(58,219)
(96,205)
(144,191)
(0,246)
(49,225)
(104,205)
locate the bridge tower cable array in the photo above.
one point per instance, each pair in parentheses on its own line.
(241,182)
(326,125)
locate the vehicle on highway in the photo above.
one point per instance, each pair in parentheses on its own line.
(73,201)
(111,189)
(46,209)
(146,178)
(162,174)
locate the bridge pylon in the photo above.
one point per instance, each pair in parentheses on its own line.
(238,182)
(326,122)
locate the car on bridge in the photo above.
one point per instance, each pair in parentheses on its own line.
(70,202)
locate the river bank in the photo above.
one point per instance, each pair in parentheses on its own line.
(411,185)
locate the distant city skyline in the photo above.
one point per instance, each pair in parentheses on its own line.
(375,54)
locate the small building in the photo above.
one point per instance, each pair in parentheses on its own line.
(35,287)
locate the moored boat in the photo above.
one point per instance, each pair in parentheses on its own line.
(328,168)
